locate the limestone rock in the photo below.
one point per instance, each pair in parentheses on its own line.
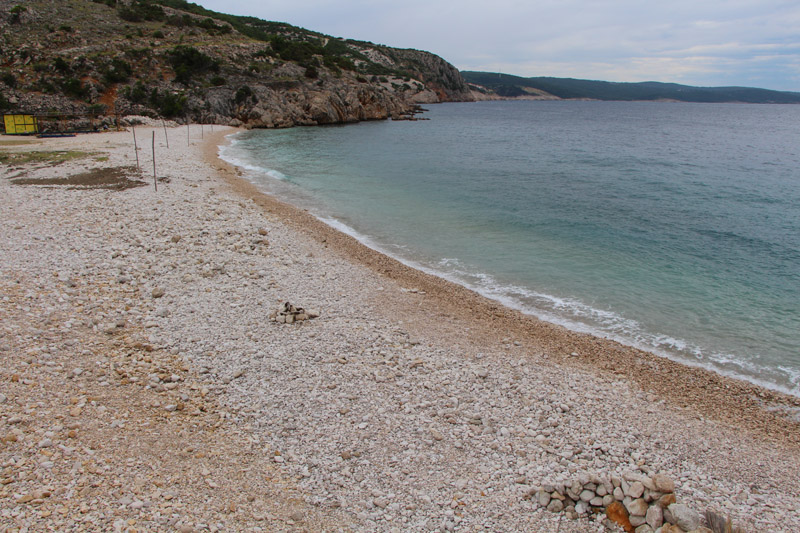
(637,507)
(617,513)
(682,516)
(663,483)
(655,516)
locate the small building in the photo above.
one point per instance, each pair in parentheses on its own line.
(21,124)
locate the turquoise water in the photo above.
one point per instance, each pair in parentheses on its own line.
(671,227)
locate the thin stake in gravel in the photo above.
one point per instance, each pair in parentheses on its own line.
(187,135)
(155,182)
(165,132)
(136,149)
(201,131)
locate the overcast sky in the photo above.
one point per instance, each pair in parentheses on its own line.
(753,43)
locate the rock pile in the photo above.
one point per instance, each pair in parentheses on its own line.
(637,503)
(289,314)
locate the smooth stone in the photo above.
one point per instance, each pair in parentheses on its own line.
(682,516)
(663,483)
(636,490)
(543,497)
(655,516)
(555,506)
(581,507)
(637,507)
(666,500)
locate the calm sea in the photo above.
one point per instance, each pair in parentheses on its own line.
(671,227)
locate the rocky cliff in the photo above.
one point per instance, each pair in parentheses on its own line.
(175,59)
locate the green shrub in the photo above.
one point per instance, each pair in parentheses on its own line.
(65,28)
(188,63)
(218,81)
(61,65)
(243,95)
(73,87)
(158,34)
(135,93)
(140,10)
(16,12)
(9,79)
(311,72)
(119,71)
(97,109)
(168,104)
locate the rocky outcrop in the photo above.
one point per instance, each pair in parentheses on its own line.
(189,72)
(438,75)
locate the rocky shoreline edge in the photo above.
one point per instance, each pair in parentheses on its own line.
(409,403)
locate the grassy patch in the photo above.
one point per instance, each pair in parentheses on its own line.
(115,178)
(47,158)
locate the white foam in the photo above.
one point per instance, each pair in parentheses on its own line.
(611,325)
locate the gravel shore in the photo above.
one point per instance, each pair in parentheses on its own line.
(144,385)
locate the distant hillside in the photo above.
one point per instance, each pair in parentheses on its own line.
(176,59)
(508,86)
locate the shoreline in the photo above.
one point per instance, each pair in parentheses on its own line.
(410,403)
(728,399)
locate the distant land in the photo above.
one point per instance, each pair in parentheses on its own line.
(489,85)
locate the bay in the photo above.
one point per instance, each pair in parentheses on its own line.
(668,226)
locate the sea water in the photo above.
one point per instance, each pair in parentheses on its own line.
(668,226)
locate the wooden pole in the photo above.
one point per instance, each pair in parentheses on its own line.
(136,149)
(201,131)
(155,182)
(165,132)
(187,135)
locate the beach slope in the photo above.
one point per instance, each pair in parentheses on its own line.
(145,385)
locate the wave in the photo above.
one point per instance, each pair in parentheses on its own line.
(580,317)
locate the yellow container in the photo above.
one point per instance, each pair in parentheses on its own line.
(21,124)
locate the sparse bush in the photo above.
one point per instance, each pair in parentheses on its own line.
(16,13)
(218,81)
(97,109)
(9,79)
(136,93)
(188,62)
(158,34)
(65,28)
(168,104)
(140,10)
(243,95)
(73,87)
(119,71)
(61,65)
(311,72)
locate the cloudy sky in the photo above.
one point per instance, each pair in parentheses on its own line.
(752,43)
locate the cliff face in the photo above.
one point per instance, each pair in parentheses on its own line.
(173,59)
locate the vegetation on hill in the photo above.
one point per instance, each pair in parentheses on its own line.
(176,59)
(508,86)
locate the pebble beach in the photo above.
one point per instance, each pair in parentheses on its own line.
(204,357)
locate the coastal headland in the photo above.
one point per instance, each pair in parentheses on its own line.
(144,385)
